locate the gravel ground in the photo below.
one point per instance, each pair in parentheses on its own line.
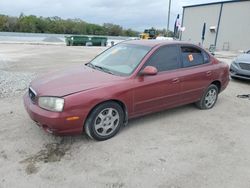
(12,83)
(179,148)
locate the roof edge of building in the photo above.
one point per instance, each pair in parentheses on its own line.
(214,3)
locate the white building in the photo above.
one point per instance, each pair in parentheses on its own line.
(227,24)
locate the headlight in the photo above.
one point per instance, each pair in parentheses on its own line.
(51,103)
(235,64)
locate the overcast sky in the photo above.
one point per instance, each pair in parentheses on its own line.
(135,14)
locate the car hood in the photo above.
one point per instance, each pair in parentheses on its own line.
(71,81)
(243,58)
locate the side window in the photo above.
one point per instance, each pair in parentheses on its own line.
(165,58)
(206,57)
(192,56)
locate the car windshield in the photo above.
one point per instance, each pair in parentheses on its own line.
(121,59)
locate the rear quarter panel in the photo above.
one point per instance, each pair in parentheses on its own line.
(220,73)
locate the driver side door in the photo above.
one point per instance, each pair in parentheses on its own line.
(154,93)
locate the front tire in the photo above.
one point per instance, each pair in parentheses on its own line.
(105,121)
(209,98)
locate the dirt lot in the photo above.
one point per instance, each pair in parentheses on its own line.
(179,148)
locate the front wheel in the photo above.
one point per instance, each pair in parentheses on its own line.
(104,121)
(209,98)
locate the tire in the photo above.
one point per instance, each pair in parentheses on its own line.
(104,121)
(209,98)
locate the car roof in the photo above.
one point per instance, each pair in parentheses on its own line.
(153,43)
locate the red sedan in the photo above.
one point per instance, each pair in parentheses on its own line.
(128,80)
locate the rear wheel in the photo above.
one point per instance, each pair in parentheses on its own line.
(104,121)
(209,98)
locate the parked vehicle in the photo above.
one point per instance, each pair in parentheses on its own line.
(240,67)
(128,80)
(148,34)
(77,40)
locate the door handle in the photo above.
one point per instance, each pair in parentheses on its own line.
(209,73)
(175,80)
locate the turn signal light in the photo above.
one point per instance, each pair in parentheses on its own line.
(73,118)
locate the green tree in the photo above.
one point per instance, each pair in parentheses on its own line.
(112,29)
(3,23)
(34,24)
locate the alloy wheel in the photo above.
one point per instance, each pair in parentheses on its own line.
(106,121)
(210,98)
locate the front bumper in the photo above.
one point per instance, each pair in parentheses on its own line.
(237,72)
(52,122)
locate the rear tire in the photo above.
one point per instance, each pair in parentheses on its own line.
(209,98)
(105,121)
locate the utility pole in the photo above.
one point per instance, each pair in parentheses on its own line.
(169,8)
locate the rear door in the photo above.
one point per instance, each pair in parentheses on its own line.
(196,73)
(152,93)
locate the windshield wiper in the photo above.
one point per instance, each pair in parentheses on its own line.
(103,69)
(99,68)
(90,65)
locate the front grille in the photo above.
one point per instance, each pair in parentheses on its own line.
(244,66)
(32,94)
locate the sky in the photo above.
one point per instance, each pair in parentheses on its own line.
(135,14)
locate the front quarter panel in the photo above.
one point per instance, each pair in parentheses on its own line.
(80,104)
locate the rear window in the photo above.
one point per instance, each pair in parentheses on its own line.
(191,56)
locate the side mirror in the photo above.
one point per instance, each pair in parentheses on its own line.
(149,70)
